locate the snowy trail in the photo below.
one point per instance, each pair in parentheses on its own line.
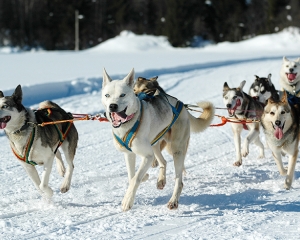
(219,201)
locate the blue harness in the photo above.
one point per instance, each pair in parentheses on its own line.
(292,98)
(130,135)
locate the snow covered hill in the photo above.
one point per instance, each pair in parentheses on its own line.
(219,201)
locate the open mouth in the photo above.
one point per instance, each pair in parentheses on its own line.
(4,121)
(232,110)
(291,76)
(278,131)
(119,118)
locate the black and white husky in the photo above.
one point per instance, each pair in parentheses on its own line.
(262,89)
(36,145)
(241,106)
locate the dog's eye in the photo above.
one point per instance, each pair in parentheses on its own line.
(272,113)
(5,106)
(283,112)
(235,97)
(107,95)
(295,66)
(226,97)
(122,95)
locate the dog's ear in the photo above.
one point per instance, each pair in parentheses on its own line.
(225,87)
(285,59)
(18,95)
(140,79)
(106,78)
(284,98)
(129,79)
(1,94)
(269,79)
(256,77)
(242,85)
(298,60)
(153,79)
(270,100)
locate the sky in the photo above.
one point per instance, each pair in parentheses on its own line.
(218,201)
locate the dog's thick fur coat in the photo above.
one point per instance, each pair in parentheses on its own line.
(241,106)
(19,123)
(280,122)
(123,109)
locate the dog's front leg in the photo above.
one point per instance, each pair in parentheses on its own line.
(293,154)
(134,183)
(276,151)
(253,134)
(45,178)
(33,174)
(237,129)
(161,180)
(130,164)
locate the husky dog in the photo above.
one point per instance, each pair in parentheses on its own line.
(290,79)
(241,106)
(280,123)
(262,89)
(138,124)
(36,145)
(149,86)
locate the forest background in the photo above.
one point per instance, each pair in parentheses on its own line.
(50,24)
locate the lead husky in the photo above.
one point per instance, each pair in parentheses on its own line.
(126,112)
(243,107)
(280,123)
(35,145)
(290,79)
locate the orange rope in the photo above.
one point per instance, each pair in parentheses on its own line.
(77,117)
(226,120)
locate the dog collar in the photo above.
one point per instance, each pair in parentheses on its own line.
(25,126)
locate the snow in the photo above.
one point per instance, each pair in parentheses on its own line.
(219,201)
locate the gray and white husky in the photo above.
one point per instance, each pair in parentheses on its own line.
(36,145)
(241,106)
(137,124)
(262,89)
(280,122)
(290,76)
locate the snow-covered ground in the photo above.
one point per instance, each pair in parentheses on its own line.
(219,201)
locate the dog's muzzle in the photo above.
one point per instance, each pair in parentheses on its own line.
(119,118)
(291,76)
(4,121)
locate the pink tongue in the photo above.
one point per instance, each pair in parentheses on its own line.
(2,125)
(291,76)
(117,118)
(278,132)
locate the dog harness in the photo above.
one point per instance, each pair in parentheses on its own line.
(25,157)
(130,135)
(61,134)
(293,99)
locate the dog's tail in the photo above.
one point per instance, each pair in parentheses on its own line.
(204,120)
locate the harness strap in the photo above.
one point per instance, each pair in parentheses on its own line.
(25,158)
(61,134)
(126,141)
(293,99)
(130,135)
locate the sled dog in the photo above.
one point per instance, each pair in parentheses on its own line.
(137,125)
(290,79)
(280,124)
(36,145)
(241,106)
(262,89)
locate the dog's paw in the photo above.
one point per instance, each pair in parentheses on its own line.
(154,163)
(127,203)
(283,172)
(288,183)
(145,178)
(245,151)
(173,204)
(161,183)
(47,191)
(261,156)
(237,163)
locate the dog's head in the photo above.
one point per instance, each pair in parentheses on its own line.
(145,85)
(290,71)
(277,115)
(10,109)
(261,88)
(119,99)
(233,98)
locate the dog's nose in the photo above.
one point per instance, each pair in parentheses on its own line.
(277,123)
(291,69)
(228,105)
(113,107)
